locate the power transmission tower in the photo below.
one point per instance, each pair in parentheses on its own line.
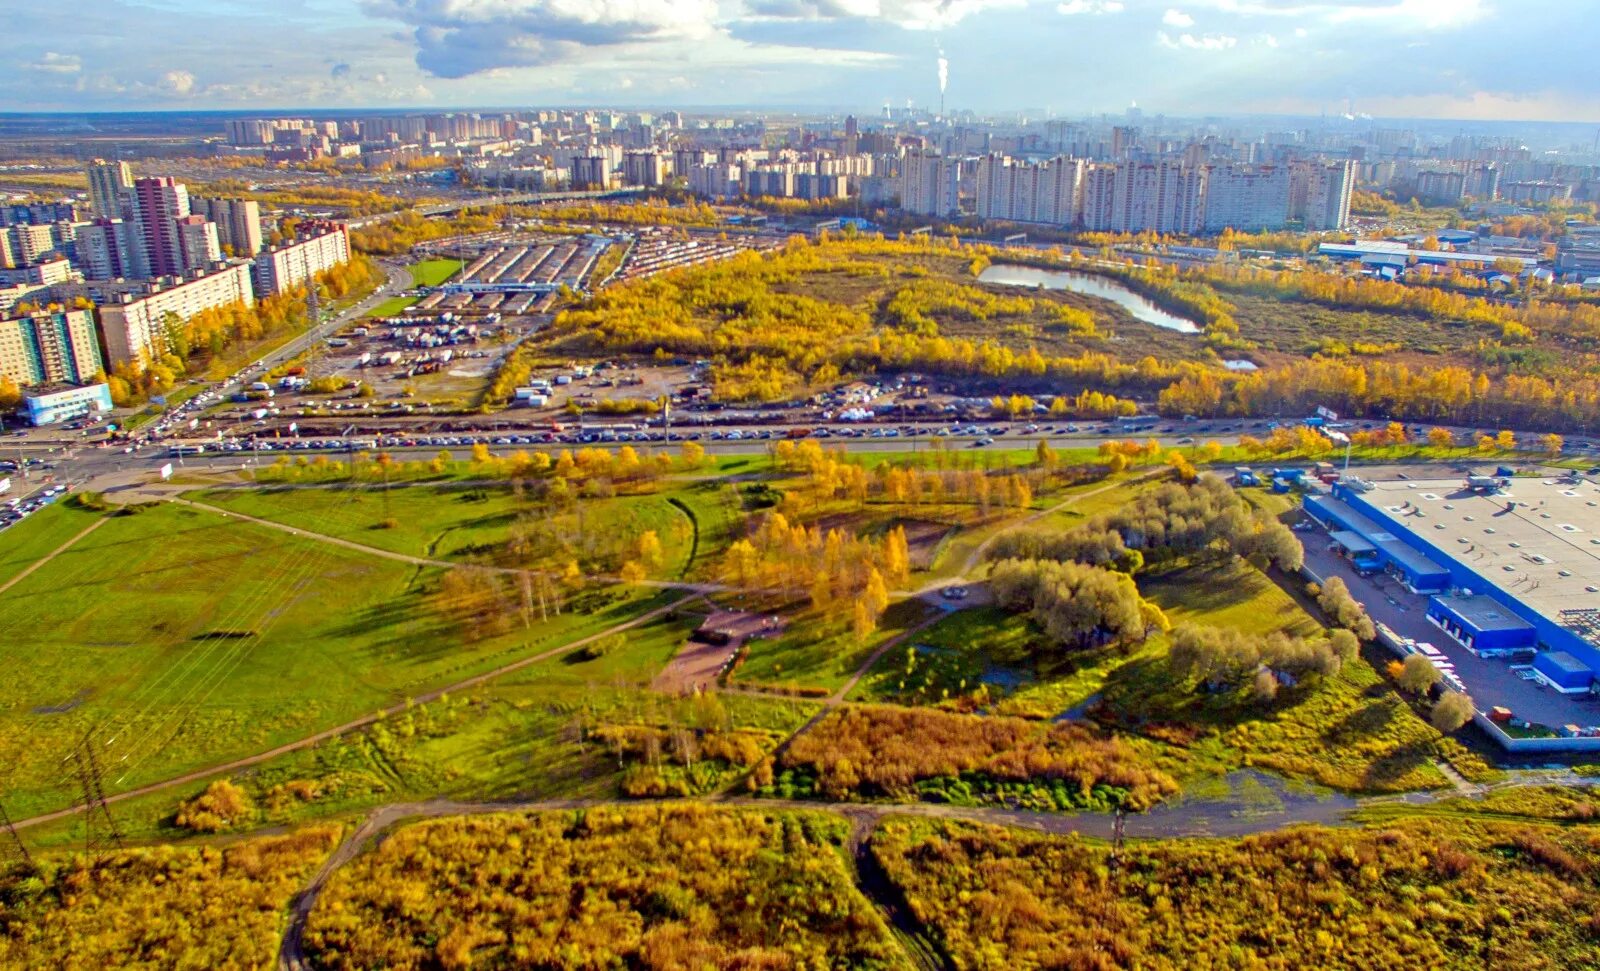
(100,830)
(13,849)
(1116,839)
(313,307)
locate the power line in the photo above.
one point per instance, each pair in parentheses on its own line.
(100,830)
(13,847)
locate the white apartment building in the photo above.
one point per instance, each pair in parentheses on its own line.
(716,180)
(930,185)
(1247,198)
(238,222)
(645,168)
(1320,194)
(134,324)
(290,265)
(1044,192)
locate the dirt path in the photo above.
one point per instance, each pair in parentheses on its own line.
(351,726)
(52,554)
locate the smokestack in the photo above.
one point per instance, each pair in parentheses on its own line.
(944,78)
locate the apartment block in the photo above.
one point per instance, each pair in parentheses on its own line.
(930,185)
(645,168)
(110,188)
(321,246)
(198,246)
(50,348)
(158,203)
(109,249)
(238,223)
(134,323)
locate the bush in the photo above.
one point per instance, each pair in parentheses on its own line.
(1452,711)
(222,806)
(600,647)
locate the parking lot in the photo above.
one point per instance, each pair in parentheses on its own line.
(1489,681)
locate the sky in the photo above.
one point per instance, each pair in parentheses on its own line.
(1463,59)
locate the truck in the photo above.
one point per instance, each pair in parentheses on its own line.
(5,485)
(260,386)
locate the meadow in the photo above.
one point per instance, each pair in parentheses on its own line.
(184,638)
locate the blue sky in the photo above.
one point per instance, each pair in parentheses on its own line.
(1477,59)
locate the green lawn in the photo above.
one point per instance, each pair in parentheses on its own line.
(817,655)
(393,307)
(187,638)
(991,659)
(1350,731)
(431,273)
(40,535)
(444,521)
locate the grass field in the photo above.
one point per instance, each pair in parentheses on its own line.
(817,655)
(186,639)
(431,273)
(39,535)
(393,307)
(454,522)
(516,737)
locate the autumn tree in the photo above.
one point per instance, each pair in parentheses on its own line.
(1452,711)
(1417,674)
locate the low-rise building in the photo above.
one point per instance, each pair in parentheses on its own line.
(49,405)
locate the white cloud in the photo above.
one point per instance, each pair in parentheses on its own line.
(1399,13)
(1074,7)
(53,63)
(1268,40)
(910,14)
(177,82)
(1204,42)
(1177,18)
(456,38)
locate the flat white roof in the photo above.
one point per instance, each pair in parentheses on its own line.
(1538,540)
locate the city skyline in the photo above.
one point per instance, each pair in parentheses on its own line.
(1468,60)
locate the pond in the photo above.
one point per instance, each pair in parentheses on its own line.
(1088,284)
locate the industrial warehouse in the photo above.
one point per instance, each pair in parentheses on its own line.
(1508,568)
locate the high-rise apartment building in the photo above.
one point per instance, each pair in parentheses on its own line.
(24,244)
(198,247)
(158,204)
(50,348)
(1043,192)
(591,172)
(1159,197)
(1319,194)
(930,185)
(110,188)
(110,249)
(1247,198)
(238,223)
(644,168)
